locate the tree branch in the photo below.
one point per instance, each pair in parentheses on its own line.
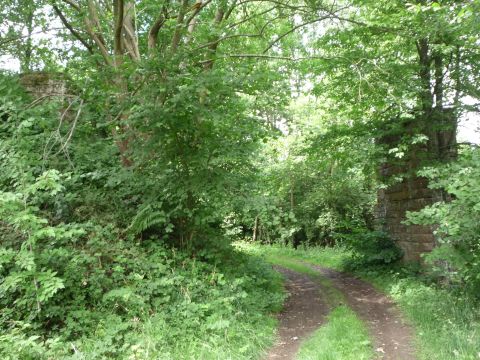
(250,17)
(219,15)
(274,57)
(278,3)
(293,29)
(198,7)
(230,10)
(217,41)
(73,4)
(177,35)
(130,39)
(98,41)
(155,28)
(70,28)
(117,41)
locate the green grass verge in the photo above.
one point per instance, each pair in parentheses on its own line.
(217,306)
(246,335)
(344,336)
(447,325)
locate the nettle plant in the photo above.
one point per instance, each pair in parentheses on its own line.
(457,221)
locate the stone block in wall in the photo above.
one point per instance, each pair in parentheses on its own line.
(44,84)
(399,195)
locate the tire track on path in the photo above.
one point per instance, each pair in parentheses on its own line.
(304,311)
(309,302)
(391,335)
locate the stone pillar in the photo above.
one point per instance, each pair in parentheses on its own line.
(412,192)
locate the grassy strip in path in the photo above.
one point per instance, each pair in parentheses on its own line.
(344,336)
(447,325)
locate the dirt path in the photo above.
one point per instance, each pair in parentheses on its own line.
(392,337)
(304,311)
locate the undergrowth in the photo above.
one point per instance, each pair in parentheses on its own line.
(145,302)
(83,277)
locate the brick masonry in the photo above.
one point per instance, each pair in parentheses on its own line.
(411,193)
(43,84)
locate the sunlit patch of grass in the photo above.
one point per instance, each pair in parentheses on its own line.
(331,257)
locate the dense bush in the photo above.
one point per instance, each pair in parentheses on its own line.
(81,278)
(371,248)
(91,292)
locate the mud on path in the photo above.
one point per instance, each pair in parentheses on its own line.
(304,311)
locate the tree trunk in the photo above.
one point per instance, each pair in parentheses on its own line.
(255,229)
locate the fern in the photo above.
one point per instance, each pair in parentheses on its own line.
(146,218)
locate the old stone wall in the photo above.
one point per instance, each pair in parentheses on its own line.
(411,193)
(42,84)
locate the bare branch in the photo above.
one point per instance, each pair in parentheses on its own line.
(199,5)
(223,38)
(95,20)
(250,17)
(98,42)
(130,39)
(278,3)
(293,29)
(5,41)
(274,57)
(119,15)
(91,23)
(56,134)
(230,10)
(72,129)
